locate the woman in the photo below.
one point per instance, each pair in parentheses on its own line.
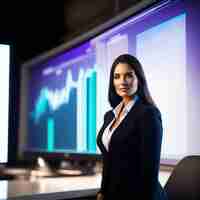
(131,135)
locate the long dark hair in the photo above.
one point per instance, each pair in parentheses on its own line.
(142,91)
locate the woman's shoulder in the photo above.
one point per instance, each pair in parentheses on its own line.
(150,109)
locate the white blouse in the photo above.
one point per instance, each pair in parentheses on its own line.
(107,133)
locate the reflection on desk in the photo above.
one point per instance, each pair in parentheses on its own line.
(28,174)
(50,188)
(56,188)
(13,173)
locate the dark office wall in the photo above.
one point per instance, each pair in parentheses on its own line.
(81,16)
(41,26)
(35,27)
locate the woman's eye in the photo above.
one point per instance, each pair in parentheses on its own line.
(116,76)
(129,75)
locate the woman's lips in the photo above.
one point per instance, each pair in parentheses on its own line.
(123,89)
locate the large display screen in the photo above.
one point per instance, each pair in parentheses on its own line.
(4,105)
(67,94)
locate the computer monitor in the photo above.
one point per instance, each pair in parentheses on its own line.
(64,92)
(4,105)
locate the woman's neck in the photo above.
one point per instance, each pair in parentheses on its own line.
(127,99)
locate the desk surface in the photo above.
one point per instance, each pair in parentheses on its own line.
(50,188)
(56,188)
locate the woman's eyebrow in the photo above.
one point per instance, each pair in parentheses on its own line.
(131,72)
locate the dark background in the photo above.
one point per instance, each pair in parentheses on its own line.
(37,26)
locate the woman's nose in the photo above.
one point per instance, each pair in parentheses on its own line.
(123,80)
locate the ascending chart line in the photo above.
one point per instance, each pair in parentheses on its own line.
(86,109)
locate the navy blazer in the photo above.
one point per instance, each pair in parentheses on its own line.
(131,166)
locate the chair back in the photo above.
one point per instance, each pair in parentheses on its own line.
(184,181)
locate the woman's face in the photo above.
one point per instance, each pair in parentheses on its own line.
(125,80)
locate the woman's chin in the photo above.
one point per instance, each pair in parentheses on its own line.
(124,94)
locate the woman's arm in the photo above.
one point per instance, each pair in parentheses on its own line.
(150,127)
(107,118)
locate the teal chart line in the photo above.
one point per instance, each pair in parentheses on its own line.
(86,108)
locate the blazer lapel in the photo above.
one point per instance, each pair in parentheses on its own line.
(128,121)
(109,117)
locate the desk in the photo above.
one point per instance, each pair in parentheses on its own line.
(56,188)
(50,188)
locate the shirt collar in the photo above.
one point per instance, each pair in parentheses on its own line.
(127,107)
